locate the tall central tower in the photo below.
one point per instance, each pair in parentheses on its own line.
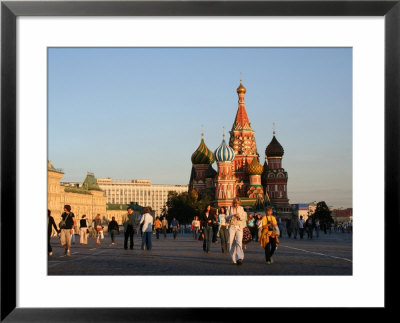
(243,143)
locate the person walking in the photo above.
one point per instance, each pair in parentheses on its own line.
(246,232)
(128,222)
(147,228)
(175,227)
(235,215)
(215,226)
(317,227)
(251,224)
(50,225)
(223,231)
(99,228)
(325,228)
(295,225)
(301,226)
(259,226)
(207,228)
(140,225)
(83,230)
(309,227)
(66,225)
(289,229)
(269,237)
(281,227)
(157,227)
(196,227)
(164,223)
(73,236)
(113,228)
(93,232)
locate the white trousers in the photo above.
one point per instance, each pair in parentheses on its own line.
(83,235)
(235,243)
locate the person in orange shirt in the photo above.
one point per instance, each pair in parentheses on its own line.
(270,234)
(157,227)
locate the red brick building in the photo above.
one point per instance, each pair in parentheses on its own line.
(342,215)
(239,170)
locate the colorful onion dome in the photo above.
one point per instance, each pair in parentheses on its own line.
(202,155)
(224,153)
(255,168)
(210,172)
(274,149)
(241,88)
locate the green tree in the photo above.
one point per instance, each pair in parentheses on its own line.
(322,213)
(184,207)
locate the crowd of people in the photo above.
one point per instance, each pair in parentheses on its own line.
(298,227)
(234,227)
(66,229)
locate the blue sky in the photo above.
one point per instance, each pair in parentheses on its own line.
(136,113)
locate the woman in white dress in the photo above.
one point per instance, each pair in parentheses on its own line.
(235,216)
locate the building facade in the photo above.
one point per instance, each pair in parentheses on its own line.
(240,173)
(342,215)
(87,198)
(139,191)
(301,210)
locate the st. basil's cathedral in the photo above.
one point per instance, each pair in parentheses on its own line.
(239,170)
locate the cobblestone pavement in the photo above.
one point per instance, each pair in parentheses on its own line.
(327,255)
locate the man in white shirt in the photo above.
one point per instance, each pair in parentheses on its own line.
(147,229)
(301,227)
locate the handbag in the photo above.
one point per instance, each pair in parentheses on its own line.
(99,228)
(63,223)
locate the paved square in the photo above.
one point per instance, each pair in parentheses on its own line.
(328,255)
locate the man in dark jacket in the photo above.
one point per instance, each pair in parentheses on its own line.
(50,225)
(113,228)
(206,223)
(309,227)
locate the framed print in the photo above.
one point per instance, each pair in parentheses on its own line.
(43,40)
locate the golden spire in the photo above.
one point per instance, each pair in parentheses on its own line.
(241,88)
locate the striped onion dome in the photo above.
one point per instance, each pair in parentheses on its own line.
(274,149)
(202,155)
(224,153)
(255,168)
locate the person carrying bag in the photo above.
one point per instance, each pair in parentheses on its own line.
(269,236)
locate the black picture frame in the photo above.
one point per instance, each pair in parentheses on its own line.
(10,10)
